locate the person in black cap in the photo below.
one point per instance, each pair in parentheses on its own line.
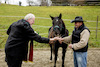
(79,42)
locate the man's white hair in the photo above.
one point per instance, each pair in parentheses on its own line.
(29,16)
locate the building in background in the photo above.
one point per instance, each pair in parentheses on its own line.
(28,2)
(52,2)
(75,2)
(84,2)
(59,2)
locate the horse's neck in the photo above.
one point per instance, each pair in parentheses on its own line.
(51,33)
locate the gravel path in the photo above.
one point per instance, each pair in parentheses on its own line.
(41,58)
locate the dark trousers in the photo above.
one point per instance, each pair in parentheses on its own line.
(13,61)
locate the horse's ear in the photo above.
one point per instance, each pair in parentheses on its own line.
(52,17)
(60,16)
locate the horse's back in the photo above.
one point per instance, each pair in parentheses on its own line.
(66,33)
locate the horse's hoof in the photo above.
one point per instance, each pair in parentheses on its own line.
(50,61)
(62,65)
(58,59)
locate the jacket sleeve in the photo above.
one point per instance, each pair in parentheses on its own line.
(9,29)
(30,34)
(83,41)
(67,39)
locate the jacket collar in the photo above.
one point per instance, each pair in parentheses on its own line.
(25,21)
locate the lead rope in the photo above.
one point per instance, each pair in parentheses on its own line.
(31,51)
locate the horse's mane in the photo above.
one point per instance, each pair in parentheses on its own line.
(64,27)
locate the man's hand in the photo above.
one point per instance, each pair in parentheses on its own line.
(70,46)
(60,40)
(56,38)
(53,39)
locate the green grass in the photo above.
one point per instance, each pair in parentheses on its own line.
(68,12)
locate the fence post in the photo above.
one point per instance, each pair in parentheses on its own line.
(97,27)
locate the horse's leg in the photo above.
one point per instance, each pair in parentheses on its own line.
(56,54)
(51,53)
(63,57)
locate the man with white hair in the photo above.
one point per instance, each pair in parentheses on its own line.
(20,33)
(30,18)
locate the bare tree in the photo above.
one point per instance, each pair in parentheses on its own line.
(30,2)
(44,3)
(0,2)
(6,1)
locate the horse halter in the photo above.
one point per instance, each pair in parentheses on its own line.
(56,27)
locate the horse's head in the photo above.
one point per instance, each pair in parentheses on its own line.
(58,24)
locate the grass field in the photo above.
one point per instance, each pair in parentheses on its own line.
(89,13)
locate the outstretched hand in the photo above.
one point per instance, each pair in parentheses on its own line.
(60,40)
(56,38)
(53,39)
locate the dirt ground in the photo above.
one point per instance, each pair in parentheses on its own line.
(42,56)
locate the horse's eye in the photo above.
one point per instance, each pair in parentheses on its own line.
(53,23)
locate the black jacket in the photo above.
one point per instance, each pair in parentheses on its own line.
(76,37)
(19,35)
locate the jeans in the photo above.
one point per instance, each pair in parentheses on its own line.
(80,59)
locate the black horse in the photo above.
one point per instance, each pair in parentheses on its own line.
(58,29)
